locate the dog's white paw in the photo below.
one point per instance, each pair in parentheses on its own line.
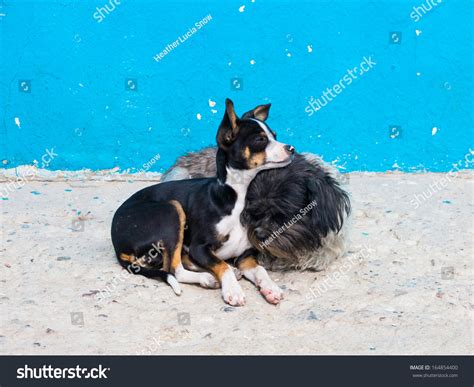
(271,291)
(233,295)
(209,281)
(231,290)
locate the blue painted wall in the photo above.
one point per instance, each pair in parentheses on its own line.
(77,98)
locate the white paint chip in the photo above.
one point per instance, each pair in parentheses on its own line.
(310,47)
(434,130)
(418,32)
(198,116)
(211,103)
(214,111)
(242,8)
(418,74)
(80,84)
(252,62)
(17,122)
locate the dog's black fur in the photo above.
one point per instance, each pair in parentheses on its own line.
(275,196)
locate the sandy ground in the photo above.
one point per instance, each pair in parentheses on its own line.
(404,288)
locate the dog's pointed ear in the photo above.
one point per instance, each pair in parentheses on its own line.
(260,112)
(229,127)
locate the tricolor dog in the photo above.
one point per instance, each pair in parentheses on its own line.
(185,231)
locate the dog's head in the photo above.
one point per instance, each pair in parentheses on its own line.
(248,143)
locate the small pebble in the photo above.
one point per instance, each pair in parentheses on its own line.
(400,292)
(311,316)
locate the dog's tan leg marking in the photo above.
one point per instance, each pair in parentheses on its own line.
(219,269)
(231,290)
(176,254)
(133,260)
(127,258)
(166,260)
(188,264)
(206,280)
(259,276)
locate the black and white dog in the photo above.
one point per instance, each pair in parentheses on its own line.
(276,197)
(169,229)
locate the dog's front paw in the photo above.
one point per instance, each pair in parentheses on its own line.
(271,291)
(209,281)
(231,290)
(233,295)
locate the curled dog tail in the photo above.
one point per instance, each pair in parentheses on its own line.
(138,266)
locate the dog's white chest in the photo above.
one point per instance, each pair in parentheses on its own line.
(230,228)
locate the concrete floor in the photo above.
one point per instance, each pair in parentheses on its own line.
(404,288)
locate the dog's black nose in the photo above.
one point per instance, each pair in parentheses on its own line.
(290,149)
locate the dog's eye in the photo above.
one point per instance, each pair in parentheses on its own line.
(259,143)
